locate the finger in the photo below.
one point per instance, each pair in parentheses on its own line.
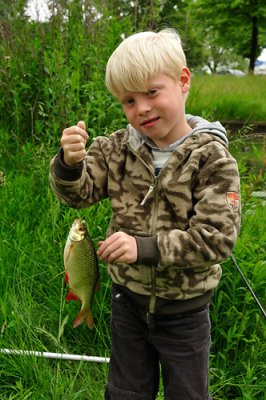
(116,255)
(82,125)
(104,244)
(76,130)
(73,141)
(74,158)
(78,155)
(105,253)
(108,247)
(100,243)
(72,145)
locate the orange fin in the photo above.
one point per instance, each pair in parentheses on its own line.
(66,277)
(72,296)
(84,316)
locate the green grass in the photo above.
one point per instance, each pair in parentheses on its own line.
(35,316)
(227,97)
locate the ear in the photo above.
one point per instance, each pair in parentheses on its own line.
(184,80)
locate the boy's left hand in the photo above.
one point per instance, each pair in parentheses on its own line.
(119,247)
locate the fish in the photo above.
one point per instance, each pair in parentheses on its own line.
(81,271)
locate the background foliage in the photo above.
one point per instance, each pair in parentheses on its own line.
(52,72)
(52,75)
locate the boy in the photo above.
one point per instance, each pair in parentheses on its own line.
(174,191)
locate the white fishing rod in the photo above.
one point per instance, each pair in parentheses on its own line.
(58,356)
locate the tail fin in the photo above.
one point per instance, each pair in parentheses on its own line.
(84,315)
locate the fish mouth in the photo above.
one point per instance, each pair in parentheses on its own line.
(78,231)
(83,224)
(149,121)
(82,227)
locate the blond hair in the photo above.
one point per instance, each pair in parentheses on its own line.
(142,55)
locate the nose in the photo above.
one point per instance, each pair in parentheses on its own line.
(143,106)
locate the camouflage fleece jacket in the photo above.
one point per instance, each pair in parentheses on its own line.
(185,220)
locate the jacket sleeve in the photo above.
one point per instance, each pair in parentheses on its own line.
(85,184)
(214,224)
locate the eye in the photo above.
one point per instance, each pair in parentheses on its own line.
(152,92)
(128,102)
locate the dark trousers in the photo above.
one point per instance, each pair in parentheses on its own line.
(177,346)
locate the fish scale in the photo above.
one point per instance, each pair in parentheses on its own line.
(82,270)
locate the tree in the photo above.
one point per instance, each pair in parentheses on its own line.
(144,14)
(179,15)
(238,25)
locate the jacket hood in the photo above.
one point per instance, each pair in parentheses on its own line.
(198,125)
(201,125)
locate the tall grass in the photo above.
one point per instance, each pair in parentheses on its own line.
(52,75)
(35,316)
(226,97)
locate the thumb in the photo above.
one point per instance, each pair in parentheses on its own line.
(81,124)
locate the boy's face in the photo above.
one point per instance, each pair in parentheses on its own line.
(159,113)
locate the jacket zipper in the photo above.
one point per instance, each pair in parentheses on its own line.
(150,190)
(153,231)
(152,303)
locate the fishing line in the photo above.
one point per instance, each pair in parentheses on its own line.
(59,356)
(248,286)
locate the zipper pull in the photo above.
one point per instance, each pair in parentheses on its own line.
(147,195)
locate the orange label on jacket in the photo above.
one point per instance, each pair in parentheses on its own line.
(233,200)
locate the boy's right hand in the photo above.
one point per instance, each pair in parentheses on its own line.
(73,142)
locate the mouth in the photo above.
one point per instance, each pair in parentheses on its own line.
(150,122)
